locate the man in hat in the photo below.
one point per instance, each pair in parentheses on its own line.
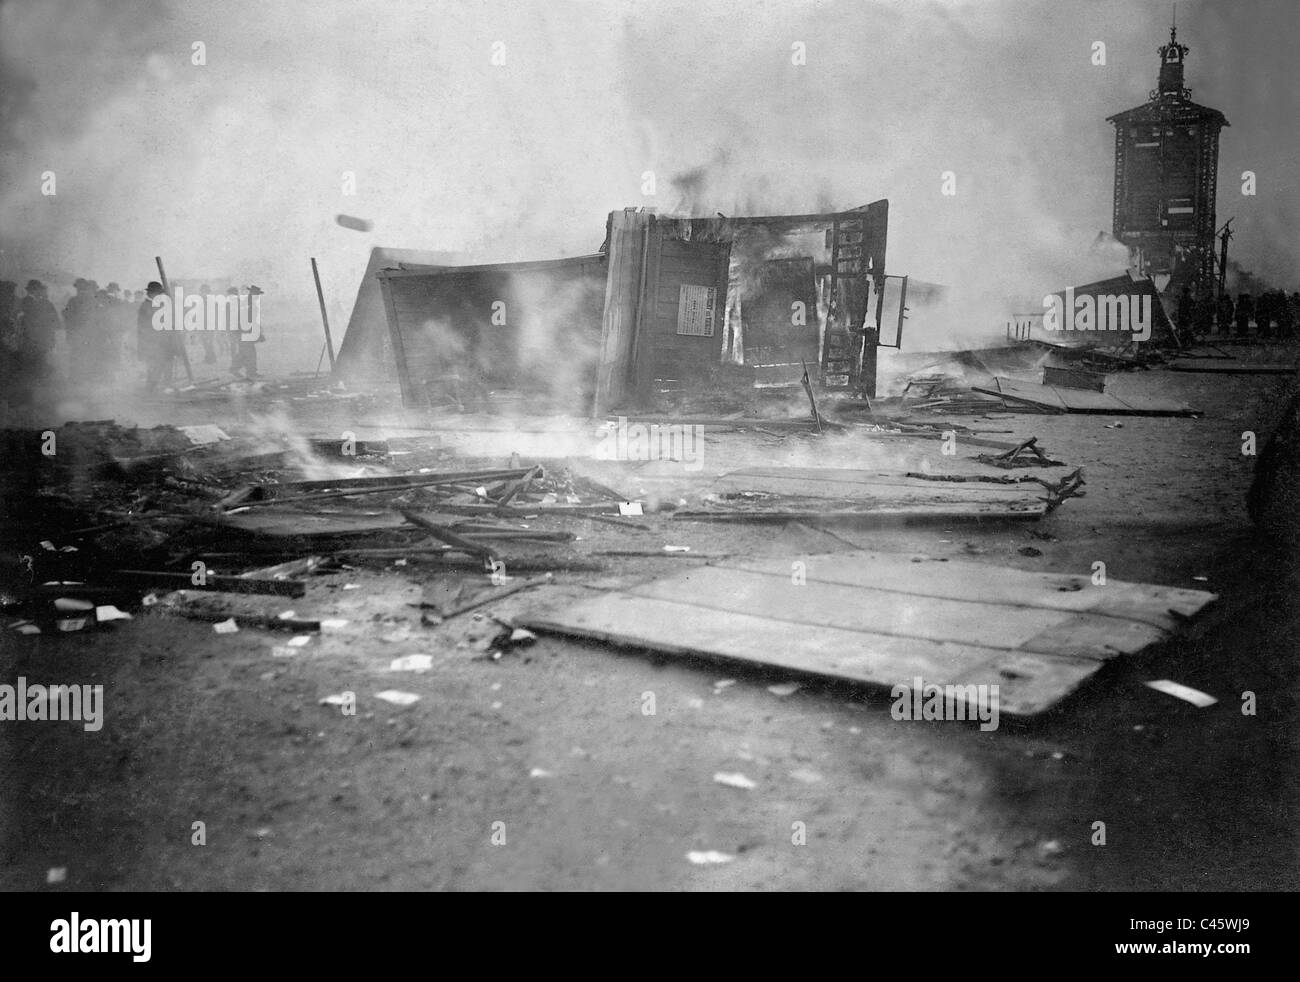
(78,318)
(152,347)
(245,360)
(39,326)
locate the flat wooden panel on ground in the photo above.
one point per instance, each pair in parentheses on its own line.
(833,493)
(1067,400)
(885,620)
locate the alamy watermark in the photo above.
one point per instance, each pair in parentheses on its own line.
(23,702)
(641,441)
(1105,312)
(237,312)
(924,700)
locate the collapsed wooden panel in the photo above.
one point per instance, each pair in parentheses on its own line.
(885,620)
(825,492)
(1066,400)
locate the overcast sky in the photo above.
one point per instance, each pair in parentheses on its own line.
(237,165)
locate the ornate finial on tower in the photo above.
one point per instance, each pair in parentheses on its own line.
(1172,55)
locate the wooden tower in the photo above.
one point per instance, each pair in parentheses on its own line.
(1166,164)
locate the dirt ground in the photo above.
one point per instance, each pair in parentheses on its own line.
(210,728)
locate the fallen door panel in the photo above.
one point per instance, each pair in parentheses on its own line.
(882,620)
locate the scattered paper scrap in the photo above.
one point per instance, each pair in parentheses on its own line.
(342,699)
(677,548)
(721,684)
(226,627)
(333,624)
(629,508)
(298,640)
(351,586)
(709,857)
(71,603)
(736,780)
(412,663)
(204,434)
(107,612)
(540,772)
(56,874)
(397,698)
(1194,696)
(288,615)
(784,688)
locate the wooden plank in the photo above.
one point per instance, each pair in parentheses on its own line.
(1161,606)
(1074,378)
(1036,682)
(843,483)
(1218,367)
(881,612)
(921,512)
(884,620)
(1037,395)
(1082,401)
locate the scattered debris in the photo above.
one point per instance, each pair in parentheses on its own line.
(736,780)
(397,698)
(1194,696)
(784,688)
(412,663)
(709,857)
(226,627)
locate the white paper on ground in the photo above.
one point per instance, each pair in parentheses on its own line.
(71,603)
(629,508)
(1195,696)
(397,698)
(784,688)
(412,663)
(107,612)
(226,627)
(708,857)
(736,780)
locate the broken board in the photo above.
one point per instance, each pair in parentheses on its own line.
(885,620)
(822,493)
(1219,366)
(1066,400)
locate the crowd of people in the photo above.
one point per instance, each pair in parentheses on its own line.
(92,347)
(1272,316)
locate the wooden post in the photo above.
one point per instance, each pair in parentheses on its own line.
(618,325)
(320,296)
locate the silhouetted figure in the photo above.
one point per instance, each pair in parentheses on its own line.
(78,317)
(1223,319)
(1203,317)
(246,348)
(1185,309)
(152,347)
(208,341)
(1245,311)
(39,326)
(9,337)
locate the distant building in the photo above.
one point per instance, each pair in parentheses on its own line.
(1166,164)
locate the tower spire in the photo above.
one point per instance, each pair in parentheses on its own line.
(1172,55)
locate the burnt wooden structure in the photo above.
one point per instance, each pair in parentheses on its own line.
(1166,166)
(668,304)
(692,299)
